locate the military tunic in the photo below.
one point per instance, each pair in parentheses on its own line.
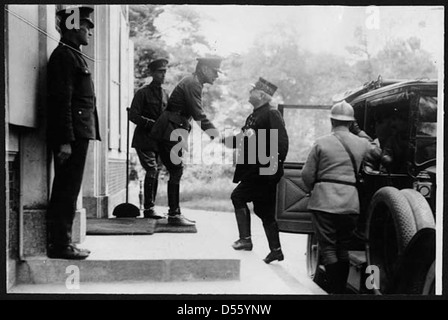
(334,200)
(147,105)
(72,119)
(263,118)
(72,112)
(255,186)
(184,104)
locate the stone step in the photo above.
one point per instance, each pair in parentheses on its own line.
(58,271)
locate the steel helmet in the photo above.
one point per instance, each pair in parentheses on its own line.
(342,111)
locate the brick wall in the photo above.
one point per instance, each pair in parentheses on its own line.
(116,177)
(14,203)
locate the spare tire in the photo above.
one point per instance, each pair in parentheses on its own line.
(390,228)
(417,268)
(423,215)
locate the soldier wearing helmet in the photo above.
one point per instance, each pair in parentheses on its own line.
(334,203)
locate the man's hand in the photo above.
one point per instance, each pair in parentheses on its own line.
(65,151)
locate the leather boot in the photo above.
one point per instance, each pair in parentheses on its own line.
(343,271)
(337,274)
(243,221)
(272,234)
(331,272)
(149,198)
(273,237)
(274,255)
(174,215)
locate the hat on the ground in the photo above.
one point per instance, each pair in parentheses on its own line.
(68,10)
(212,62)
(265,86)
(158,64)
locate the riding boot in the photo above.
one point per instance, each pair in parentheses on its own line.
(272,234)
(149,198)
(154,188)
(337,275)
(243,221)
(332,274)
(173,198)
(174,215)
(343,271)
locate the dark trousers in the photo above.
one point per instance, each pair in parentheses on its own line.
(175,169)
(152,165)
(262,195)
(333,232)
(66,186)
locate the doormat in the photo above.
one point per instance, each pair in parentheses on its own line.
(120,226)
(163,226)
(134,226)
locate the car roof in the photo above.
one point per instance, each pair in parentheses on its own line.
(378,88)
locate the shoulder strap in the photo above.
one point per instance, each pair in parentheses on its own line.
(352,158)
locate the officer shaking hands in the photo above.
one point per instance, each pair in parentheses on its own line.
(184,104)
(262,147)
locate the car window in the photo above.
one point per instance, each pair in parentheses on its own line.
(427,116)
(426,129)
(304,125)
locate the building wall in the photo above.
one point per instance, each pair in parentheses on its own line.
(25,139)
(29,164)
(121,93)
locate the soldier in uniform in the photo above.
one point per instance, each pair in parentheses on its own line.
(254,185)
(184,104)
(72,122)
(147,105)
(329,174)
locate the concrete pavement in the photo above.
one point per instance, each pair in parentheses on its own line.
(216,232)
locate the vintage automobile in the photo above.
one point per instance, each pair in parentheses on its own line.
(399,196)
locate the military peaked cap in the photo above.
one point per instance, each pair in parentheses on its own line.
(84,13)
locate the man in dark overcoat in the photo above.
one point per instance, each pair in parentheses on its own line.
(262,147)
(72,123)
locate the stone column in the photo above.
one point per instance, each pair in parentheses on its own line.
(95,193)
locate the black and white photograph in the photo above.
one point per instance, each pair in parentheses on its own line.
(224,150)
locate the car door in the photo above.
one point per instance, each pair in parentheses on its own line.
(304,123)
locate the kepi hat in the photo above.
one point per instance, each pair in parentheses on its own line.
(265,86)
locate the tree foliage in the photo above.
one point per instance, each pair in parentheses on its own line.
(148,44)
(302,77)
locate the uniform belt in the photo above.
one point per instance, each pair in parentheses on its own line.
(337,181)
